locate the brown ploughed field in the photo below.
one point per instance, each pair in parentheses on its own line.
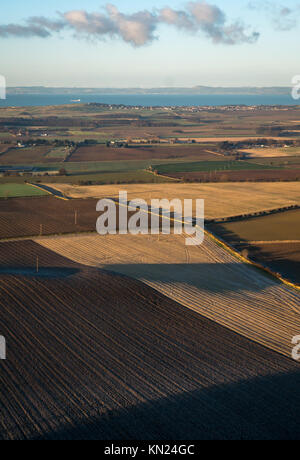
(20,217)
(206,279)
(93,355)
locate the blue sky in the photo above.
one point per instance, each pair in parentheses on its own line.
(176,57)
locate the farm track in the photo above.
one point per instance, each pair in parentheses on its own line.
(92,355)
(214,283)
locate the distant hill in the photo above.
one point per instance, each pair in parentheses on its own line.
(197,90)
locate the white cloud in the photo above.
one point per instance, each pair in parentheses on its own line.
(139,28)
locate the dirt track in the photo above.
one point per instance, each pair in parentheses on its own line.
(97,356)
(206,279)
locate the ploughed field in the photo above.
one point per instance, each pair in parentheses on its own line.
(23,217)
(20,217)
(140,337)
(96,355)
(26,156)
(206,279)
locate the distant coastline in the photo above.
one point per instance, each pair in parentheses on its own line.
(197,90)
(148,100)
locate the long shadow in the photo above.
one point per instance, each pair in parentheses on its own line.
(283,265)
(278,263)
(39,272)
(207,277)
(210,277)
(52,190)
(259,409)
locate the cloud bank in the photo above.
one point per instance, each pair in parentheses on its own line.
(137,29)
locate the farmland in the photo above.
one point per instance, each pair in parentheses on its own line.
(140,336)
(99,392)
(272,240)
(70,139)
(129,177)
(104,153)
(250,175)
(275,227)
(208,166)
(206,279)
(23,156)
(273,153)
(47,215)
(19,190)
(280,257)
(221,200)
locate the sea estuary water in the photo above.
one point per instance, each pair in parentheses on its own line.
(147,100)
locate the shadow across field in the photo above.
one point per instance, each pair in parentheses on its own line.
(103,356)
(50,272)
(264,408)
(280,257)
(52,190)
(207,277)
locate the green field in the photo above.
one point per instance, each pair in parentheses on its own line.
(209,166)
(130,177)
(282,162)
(19,190)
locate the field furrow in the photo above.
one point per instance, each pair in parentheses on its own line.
(207,279)
(94,355)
